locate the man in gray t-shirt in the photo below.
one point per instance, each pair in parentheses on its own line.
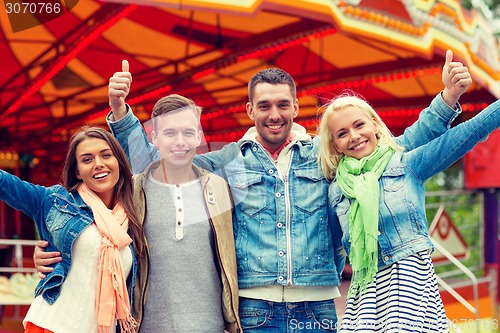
(180,261)
(187,279)
(185,288)
(187,267)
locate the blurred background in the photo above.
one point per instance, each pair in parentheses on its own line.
(55,67)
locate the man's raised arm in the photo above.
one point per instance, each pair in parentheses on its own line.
(125,126)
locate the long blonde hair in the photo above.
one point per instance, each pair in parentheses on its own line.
(329,157)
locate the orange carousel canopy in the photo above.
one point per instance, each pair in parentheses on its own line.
(55,73)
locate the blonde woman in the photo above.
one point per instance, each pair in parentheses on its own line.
(377,199)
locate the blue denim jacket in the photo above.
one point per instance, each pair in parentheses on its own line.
(281,224)
(403,227)
(60,217)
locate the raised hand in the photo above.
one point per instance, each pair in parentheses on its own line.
(456,79)
(118,89)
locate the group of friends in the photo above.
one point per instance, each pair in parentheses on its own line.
(252,237)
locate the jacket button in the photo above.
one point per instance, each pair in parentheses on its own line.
(279,225)
(278,195)
(280,253)
(379,233)
(280,278)
(386,258)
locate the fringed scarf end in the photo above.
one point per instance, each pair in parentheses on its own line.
(127,325)
(103,329)
(362,278)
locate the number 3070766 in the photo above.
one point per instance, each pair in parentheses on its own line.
(33,8)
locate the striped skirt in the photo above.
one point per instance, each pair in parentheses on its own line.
(403,298)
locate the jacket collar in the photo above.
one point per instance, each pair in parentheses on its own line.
(70,197)
(298,131)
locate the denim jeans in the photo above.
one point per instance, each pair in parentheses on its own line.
(258,316)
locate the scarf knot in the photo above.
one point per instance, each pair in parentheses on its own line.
(358,180)
(112,302)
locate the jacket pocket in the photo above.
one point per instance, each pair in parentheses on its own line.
(60,213)
(393,179)
(249,190)
(397,210)
(309,190)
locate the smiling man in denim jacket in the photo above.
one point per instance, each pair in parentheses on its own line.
(288,257)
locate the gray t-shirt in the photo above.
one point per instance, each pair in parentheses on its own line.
(185,287)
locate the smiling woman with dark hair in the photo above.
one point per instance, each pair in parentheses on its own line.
(92,222)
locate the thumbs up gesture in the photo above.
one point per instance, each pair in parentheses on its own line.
(118,89)
(456,79)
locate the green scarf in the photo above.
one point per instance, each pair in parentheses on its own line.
(358,180)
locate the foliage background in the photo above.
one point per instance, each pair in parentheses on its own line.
(494,7)
(464,209)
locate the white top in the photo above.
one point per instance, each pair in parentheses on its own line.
(74,309)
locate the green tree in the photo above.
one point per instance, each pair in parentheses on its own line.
(489,8)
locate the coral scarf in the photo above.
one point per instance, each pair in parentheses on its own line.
(358,180)
(112,300)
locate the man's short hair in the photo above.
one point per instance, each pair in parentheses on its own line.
(172,103)
(272,76)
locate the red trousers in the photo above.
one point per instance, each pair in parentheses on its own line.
(32,328)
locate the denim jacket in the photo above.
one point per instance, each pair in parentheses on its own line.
(282,234)
(403,227)
(60,217)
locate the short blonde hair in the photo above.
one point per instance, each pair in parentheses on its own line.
(329,157)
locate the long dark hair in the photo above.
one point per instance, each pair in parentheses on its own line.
(123,190)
